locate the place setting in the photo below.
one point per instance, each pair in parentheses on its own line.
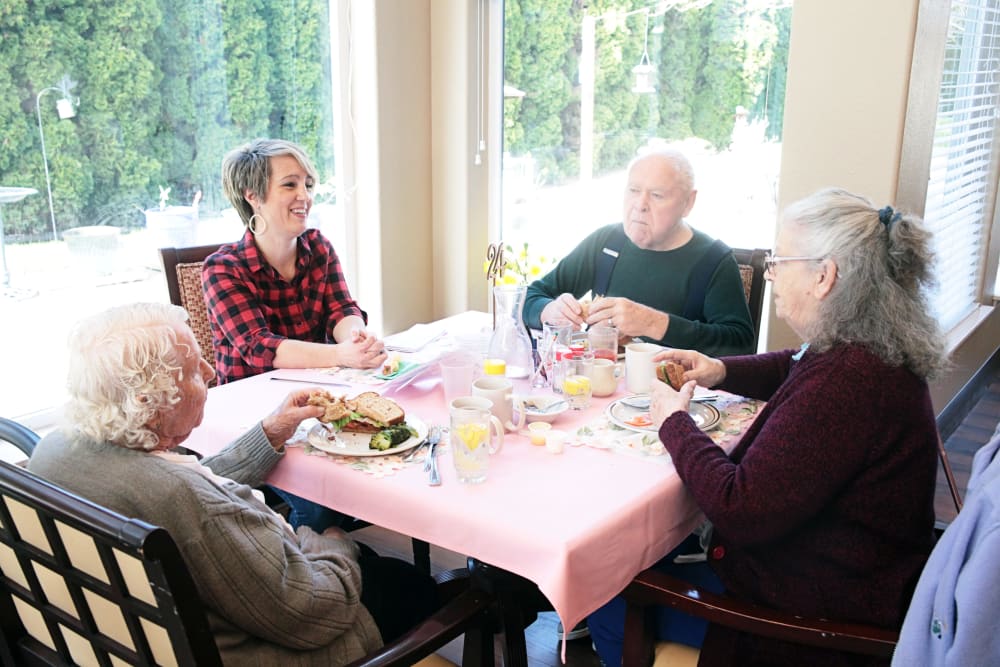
(368,432)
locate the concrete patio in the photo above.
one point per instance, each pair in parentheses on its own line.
(53,286)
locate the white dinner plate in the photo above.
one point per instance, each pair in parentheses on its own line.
(356,444)
(705,416)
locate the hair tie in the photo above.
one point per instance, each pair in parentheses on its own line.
(887,217)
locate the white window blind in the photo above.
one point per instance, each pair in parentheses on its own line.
(962,175)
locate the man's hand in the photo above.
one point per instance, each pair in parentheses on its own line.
(565,306)
(280,425)
(632,319)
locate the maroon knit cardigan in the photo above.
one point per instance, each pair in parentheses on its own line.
(826,506)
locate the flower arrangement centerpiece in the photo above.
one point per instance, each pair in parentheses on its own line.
(517,268)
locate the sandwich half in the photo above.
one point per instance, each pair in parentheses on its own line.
(365,413)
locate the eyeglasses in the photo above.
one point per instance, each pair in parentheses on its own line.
(770,261)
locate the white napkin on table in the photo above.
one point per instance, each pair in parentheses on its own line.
(415,338)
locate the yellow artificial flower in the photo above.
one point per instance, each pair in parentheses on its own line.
(519,268)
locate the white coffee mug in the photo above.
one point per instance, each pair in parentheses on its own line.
(500,390)
(604,376)
(640,371)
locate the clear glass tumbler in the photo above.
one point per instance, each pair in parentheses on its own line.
(577,389)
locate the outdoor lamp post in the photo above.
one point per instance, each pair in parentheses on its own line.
(66,108)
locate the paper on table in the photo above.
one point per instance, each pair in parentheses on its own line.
(413,339)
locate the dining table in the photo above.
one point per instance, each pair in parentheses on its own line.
(579,524)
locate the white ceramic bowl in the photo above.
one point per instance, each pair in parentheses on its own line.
(534,408)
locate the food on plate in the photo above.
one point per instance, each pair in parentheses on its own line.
(392,436)
(365,413)
(672,373)
(391,364)
(640,421)
(335,407)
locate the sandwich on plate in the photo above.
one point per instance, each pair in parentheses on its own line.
(365,413)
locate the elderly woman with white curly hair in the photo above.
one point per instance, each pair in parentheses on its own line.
(273,596)
(825,508)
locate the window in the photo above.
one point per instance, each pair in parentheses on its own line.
(963,170)
(136,104)
(586,89)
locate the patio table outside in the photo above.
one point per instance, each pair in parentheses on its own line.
(54,289)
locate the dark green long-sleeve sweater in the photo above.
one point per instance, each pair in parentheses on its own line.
(660,280)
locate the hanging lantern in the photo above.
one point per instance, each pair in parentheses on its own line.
(643,72)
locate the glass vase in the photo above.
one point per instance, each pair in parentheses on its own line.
(510,340)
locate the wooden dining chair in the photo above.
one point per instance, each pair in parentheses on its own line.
(652,588)
(80,584)
(751,263)
(182,270)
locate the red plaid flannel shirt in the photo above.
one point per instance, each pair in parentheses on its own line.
(252,309)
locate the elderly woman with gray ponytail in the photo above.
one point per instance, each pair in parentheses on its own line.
(825,508)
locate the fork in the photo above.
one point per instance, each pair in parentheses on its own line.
(431,462)
(433,436)
(435,478)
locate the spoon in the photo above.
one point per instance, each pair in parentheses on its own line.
(641,401)
(555,405)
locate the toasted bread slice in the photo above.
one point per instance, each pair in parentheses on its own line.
(378,408)
(334,406)
(671,373)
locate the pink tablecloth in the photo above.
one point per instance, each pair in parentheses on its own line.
(580,524)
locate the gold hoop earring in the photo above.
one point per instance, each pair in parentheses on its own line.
(253,223)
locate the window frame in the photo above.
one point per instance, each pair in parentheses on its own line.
(927,65)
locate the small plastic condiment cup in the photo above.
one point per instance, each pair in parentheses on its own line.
(537,432)
(554,441)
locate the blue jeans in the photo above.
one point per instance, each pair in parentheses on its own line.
(307,513)
(607,624)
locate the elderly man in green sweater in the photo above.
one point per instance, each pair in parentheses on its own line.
(652,276)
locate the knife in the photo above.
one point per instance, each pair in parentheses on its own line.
(306,381)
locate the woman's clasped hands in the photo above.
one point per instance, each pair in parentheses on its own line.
(363,350)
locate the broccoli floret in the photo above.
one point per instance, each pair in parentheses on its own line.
(392,436)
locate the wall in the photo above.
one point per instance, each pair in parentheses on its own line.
(390,88)
(419,201)
(845,105)
(460,210)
